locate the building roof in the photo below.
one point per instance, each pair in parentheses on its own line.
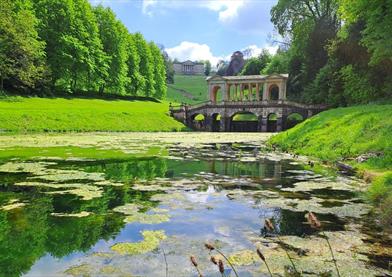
(249,77)
(188,62)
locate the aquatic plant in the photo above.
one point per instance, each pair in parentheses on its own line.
(195,264)
(270,227)
(211,248)
(262,257)
(151,241)
(316,224)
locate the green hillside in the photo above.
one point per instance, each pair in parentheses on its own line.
(19,114)
(188,89)
(360,136)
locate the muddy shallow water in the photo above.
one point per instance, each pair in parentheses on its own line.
(141,204)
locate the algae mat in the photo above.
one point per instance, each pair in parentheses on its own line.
(141,204)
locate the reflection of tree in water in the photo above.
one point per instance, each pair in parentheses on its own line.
(23,236)
(129,170)
(29,233)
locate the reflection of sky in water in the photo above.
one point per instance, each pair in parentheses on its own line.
(207,215)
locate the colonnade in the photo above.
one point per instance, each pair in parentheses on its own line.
(247,88)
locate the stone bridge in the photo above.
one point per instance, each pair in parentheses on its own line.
(246,104)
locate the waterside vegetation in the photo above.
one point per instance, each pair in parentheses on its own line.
(359,137)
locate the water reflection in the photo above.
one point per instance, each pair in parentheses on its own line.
(30,233)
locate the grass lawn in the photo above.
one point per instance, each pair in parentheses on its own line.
(345,134)
(20,114)
(189,89)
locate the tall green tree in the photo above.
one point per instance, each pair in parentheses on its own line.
(309,26)
(21,51)
(254,66)
(147,83)
(113,35)
(207,68)
(135,82)
(159,71)
(73,48)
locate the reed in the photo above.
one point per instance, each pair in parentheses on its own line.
(211,248)
(260,254)
(316,224)
(271,228)
(195,264)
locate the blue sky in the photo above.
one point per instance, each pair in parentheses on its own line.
(199,29)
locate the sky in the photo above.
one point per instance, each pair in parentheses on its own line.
(199,29)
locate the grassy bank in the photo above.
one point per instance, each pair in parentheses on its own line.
(20,114)
(188,89)
(360,136)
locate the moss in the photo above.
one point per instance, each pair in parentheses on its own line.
(83,270)
(151,240)
(133,214)
(147,218)
(244,257)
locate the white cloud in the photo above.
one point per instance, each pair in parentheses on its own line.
(193,51)
(147,4)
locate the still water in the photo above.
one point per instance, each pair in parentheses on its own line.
(120,206)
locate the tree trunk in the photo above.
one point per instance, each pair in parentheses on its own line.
(1,82)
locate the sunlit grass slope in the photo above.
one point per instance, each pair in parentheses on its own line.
(344,133)
(189,89)
(19,114)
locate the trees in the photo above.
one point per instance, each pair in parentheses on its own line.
(207,68)
(147,83)
(159,71)
(113,35)
(70,46)
(21,51)
(254,66)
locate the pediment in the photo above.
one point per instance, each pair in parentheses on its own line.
(215,78)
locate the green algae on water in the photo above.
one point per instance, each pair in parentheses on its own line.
(151,241)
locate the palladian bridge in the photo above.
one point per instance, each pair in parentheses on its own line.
(254,103)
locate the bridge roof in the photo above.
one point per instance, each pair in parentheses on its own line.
(249,77)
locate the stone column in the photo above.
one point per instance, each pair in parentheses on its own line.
(225,123)
(208,123)
(260,124)
(235,92)
(228,92)
(265,92)
(250,91)
(281,91)
(242,92)
(258,91)
(264,123)
(279,124)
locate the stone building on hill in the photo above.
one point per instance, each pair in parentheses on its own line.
(188,68)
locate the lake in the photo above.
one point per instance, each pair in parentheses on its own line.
(140,204)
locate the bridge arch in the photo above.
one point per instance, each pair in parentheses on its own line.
(198,121)
(272,122)
(293,119)
(273,92)
(244,121)
(216,122)
(216,93)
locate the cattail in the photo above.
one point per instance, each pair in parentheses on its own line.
(213,260)
(268,224)
(221,267)
(313,221)
(193,260)
(209,246)
(260,254)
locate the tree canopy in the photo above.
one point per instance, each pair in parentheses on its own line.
(70,46)
(331,62)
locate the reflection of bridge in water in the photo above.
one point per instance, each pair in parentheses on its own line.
(245,103)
